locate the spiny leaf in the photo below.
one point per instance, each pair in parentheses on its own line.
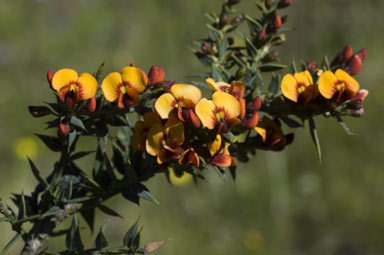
(52,211)
(314,135)
(22,208)
(274,86)
(81,154)
(10,243)
(292,123)
(77,122)
(145,194)
(101,241)
(53,143)
(272,67)
(73,239)
(109,211)
(343,125)
(89,216)
(37,175)
(99,71)
(132,236)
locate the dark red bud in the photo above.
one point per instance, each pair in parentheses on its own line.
(312,67)
(207,48)
(256,103)
(39,111)
(91,106)
(223,20)
(277,22)
(354,65)
(347,53)
(363,54)
(156,75)
(357,113)
(236,20)
(50,76)
(261,35)
(64,129)
(284,3)
(133,64)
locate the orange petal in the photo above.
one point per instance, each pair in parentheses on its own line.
(165,104)
(188,94)
(215,146)
(217,86)
(87,86)
(352,84)
(135,78)
(327,84)
(154,138)
(227,102)
(110,86)
(205,111)
(64,77)
(222,160)
(237,89)
(174,128)
(289,87)
(304,78)
(128,99)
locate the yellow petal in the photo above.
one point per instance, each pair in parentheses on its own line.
(110,86)
(87,86)
(214,146)
(304,78)
(153,143)
(135,78)
(352,84)
(174,128)
(205,110)
(289,87)
(188,94)
(262,132)
(217,86)
(165,104)
(64,77)
(327,84)
(227,102)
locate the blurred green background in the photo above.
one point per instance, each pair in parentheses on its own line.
(281,203)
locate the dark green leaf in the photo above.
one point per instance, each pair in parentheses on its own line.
(204,59)
(274,86)
(229,136)
(77,122)
(253,24)
(10,243)
(71,139)
(232,170)
(81,154)
(315,137)
(343,125)
(223,48)
(292,123)
(101,241)
(132,236)
(145,194)
(214,34)
(216,74)
(22,208)
(36,173)
(271,67)
(88,214)
(251,49)
(109,211)
(54,210)
(73,239)
(99,71)
(53,143)
(137,190)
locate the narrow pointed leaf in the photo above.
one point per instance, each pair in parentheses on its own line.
(132,235)
(89,217)
(343,125)
(315,137)
(272,67)
(101,241)
(145,194)
(37,175)
(10,243)
(53,143)
(109,211)
(73,239)
(22,208)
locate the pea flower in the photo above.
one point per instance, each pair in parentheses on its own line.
(220,113)
(141,129)
(182,98)
(125,87)
(220,155)
(299,87)
(71,88)
(189,157)
(165,141)
(339,85)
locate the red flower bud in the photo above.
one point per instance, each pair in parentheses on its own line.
(312,67)
(223,20)
(236,20)
(156,75)
(277,22)
(284,3)
(91,106)
(256,103)
(64,129)
(50,76)
(39,111)
(354,65)
(362,54)
(261,35)
(347,53)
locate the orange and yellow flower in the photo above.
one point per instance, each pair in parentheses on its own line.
(125,87)
(183,98)
(71,88)
(220,155)
(220,113)
(189,157)
(299,87)
(165,141)
(339,85)
(141,129)
(271,137)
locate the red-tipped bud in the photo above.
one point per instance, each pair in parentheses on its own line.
(236,20)
(277,22)
(354,65)
(256,103)
(347,52)
(39,111)
(223,20)
(284,3)
(207,48)
(50,76)
(133,64)
(261,35)
(363,54)
(91,106)
(64,129)
(156,75)
(312,66)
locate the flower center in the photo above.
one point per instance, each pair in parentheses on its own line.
(340,85)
